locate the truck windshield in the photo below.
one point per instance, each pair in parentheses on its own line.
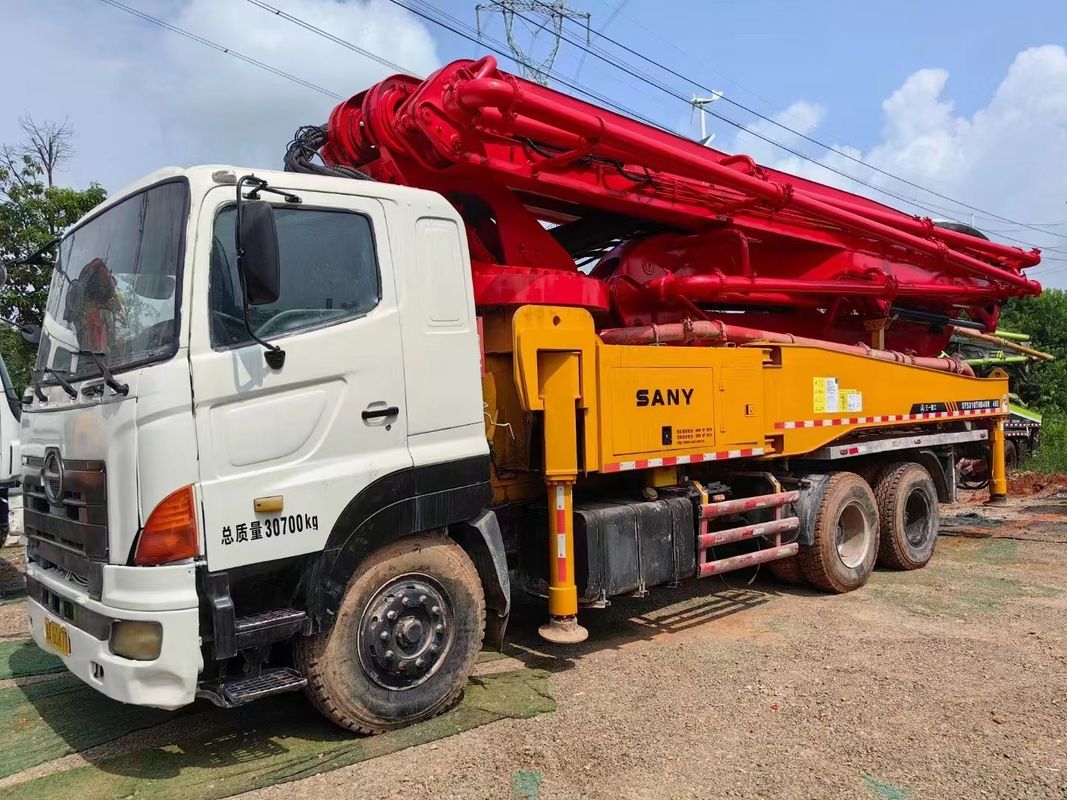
(114,288)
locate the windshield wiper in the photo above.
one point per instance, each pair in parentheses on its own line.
(36,386)
(68,387)
(100,360)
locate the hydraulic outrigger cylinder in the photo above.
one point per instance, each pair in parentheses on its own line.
(560,389)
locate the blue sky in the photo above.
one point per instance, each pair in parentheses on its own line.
(967,98)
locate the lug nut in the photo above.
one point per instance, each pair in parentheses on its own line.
(420,662)
(390,655)
(435,610)
(391,616)
(384,636)
(404,600)
(423,599)
(439,628)
(402,666)
(434,648)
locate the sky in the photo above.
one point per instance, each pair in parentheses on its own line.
(967,99)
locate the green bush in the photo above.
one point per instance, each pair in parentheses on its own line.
(1051,455)
(1044,384)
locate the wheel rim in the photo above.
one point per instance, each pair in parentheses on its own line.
(406,632)
(853,536)
(917,518)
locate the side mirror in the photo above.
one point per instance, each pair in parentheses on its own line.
(257,252)
(31,334)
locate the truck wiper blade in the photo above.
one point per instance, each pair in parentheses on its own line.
(68,387)
(37,256)
(100,359)
(36,386)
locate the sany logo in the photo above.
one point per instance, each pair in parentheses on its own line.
(659,397)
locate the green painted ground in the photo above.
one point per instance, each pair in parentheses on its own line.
(22,658)
(966,577)
(881,790)
(271,742)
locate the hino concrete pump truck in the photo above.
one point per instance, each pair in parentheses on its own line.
(316,429)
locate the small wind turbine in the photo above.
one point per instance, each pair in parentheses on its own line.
(700,104)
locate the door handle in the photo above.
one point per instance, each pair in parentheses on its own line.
(391,411)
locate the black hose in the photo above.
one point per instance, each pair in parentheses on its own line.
(305,146)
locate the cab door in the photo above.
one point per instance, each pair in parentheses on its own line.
(282,452)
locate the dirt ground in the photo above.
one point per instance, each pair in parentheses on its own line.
(946,682)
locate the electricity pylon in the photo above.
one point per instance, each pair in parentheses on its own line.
(536,17)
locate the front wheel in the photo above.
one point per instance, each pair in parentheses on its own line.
(405,639)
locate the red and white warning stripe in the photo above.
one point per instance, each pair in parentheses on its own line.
(826,423)
(561,535)
(671,461)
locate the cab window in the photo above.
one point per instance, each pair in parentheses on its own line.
(329,274)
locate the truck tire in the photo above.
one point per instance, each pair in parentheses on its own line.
(1011,456)
(1022,447)
(405,639)
(909,516)
(846,536)
(787,571)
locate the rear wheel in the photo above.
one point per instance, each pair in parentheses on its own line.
(909,516)
(846,536)
(405,640)
(787,570)
(1011,456)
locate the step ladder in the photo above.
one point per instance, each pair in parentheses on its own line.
(237,690)
(771,530)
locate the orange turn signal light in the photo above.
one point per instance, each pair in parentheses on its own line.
(170,534)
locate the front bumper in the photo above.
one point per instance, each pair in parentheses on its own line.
(166,595)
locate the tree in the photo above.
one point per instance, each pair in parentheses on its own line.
(49,143)
(1044,318)
(33,212)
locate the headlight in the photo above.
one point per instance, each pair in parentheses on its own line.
(137,639)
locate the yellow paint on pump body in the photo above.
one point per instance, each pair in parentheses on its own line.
(608,408)
(641,406)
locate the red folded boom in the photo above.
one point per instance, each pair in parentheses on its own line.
(570,204)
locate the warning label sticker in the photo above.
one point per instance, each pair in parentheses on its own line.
(853,400)
(826,396)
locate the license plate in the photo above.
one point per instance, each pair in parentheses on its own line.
(57,637)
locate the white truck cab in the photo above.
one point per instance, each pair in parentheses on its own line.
(10,459)
(189,506)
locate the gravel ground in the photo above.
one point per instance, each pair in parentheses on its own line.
(942,683)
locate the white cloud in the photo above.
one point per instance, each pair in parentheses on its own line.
(141,97)
(1008,157)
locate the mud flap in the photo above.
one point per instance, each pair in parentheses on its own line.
(481,539)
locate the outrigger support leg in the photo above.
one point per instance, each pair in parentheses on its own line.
(560,388)
(998,477)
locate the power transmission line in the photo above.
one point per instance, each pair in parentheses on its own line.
(473,38)
(812,140)
(335,39)
(456,26)
(220,48)
(629,70)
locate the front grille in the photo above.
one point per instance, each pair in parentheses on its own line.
(69,535)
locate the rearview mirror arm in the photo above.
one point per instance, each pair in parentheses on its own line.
(274,356)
